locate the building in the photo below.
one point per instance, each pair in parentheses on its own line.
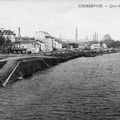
(30,46)
(24,38)
(8,34)
(82,45)
(48,43)
(41,35)
(73,45)
(57,44)
(98,46)
(104,46)
(42,45)
(95,46)
(45,40)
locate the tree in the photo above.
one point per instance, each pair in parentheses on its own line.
(108,40)
(5,44)
(2,41)
(115,44)
(106,37)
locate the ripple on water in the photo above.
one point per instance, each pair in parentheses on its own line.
(80,89)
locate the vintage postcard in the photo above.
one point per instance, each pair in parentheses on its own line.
(59,60)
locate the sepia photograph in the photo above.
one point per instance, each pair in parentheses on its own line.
(59,60)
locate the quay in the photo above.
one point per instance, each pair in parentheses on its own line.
(15,68)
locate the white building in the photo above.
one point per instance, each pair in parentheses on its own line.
(45,40)
(42,45)
(40,35)
(57,44)
(95,46)
(30,46)
(98,46)
(104,46)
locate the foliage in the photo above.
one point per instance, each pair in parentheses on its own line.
(5,45)
(4,42)
(110,42)
(107,37)
(75,45)
(115,44)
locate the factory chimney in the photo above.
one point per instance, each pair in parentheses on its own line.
(76,34)
(19,36)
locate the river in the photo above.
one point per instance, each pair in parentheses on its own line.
(80,89)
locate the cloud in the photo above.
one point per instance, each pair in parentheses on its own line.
(58,17)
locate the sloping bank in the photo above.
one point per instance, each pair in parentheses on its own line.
(14,70)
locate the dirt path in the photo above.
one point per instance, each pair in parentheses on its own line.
(20,57)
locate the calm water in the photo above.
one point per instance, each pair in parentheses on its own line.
(80,89)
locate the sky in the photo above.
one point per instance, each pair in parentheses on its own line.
(61,17)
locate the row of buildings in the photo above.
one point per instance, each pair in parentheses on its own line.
(93,45)
(43,41)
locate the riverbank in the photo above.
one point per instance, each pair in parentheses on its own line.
(17,68)
(86,88)
(22,67)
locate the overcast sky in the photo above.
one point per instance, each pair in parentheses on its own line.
(60,17)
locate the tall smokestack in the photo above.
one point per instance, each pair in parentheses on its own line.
(60,37)
(86,38)
(19,36)
(76,34)
(93,37)
(97,37)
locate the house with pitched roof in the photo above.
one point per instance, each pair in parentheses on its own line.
(8,34)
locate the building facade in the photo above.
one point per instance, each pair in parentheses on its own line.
(8,35)
(48,43)
(30,46)
(98,46)
(45,40)
(57,44)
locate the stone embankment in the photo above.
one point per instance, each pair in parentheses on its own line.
(16,69)
(22,67)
